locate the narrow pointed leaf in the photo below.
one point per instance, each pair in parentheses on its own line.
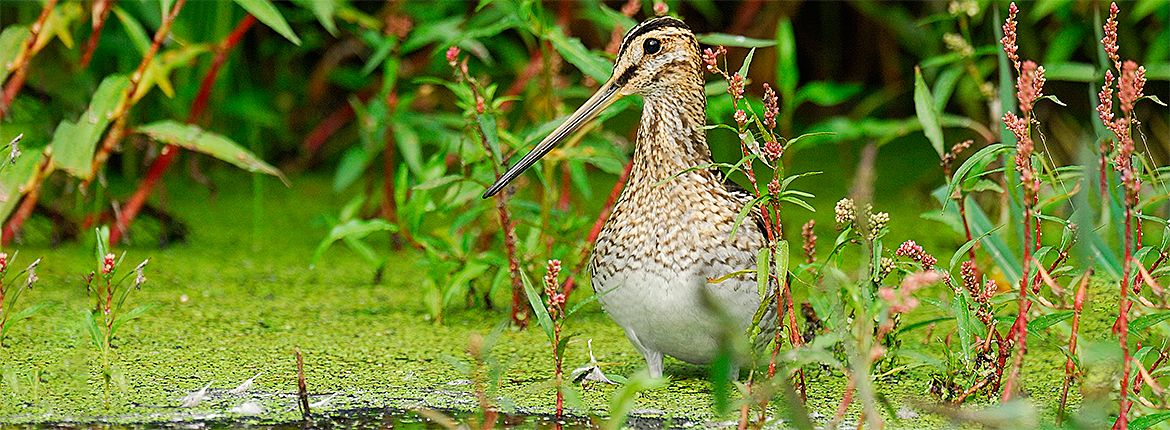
(267,13)
(927,115)
(199,140)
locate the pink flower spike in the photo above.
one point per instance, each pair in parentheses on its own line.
(452,55)
(661,9)
(108,264)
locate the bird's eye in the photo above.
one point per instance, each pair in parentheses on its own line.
(651,46)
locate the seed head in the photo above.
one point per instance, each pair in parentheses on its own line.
(773,150)
(1009,36)
(3,262)
(711,58)
(1105,99)
(877,221)
(735,86)
(552,288)
(140,277)
(1029,86)
(14,148)
(1109,42)
(740,117)
(809,237)
(913,251)
(771,106)
(1131,86)
(844,213)
(958,44)
(774,186)
(970,278)
(32,274)
(885,268)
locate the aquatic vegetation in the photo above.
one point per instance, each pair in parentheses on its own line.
(108,290)
(10,293)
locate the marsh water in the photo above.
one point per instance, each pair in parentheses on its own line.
(235,300)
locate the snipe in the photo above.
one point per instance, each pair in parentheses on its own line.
(667,237)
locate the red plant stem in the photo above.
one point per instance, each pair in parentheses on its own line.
(1121,328)
(1019,330)
(159,166)
(109,305)
(101,11)
(557,361)
(28,204)
(519,304)
(20,63)
(529,72)
(600,222)
(330,126)
(1070,366)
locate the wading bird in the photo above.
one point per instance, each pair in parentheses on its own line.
(668,236)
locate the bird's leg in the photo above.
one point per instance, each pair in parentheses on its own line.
(653,358)
(654,363)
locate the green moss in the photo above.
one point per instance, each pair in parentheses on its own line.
(237,299)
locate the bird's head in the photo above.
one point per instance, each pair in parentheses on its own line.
(656,56)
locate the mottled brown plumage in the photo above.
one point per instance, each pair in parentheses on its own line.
(667,235)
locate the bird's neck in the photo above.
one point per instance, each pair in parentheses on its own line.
(671,136)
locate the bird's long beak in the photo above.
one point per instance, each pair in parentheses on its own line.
(605,96)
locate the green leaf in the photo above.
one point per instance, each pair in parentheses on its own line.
(74,143)
(1144,322)
(134,30)
(127,317)
(735,40)
(267,13)
(1071,72)
(825,94)
(12,41)
(409,146)
(968,326)
(491,133)
(1039,324)
(993,244)
(351,166)
(927,115)
(91,326)
(196,139)
(1146,421)
(592,65)
(324,10)
(966,247)
(537,304)
(747,63)
(355,229)
(20,315)
(975,160)
(763,261)
(746,212)
(787,72)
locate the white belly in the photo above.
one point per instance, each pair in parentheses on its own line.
(667,313)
